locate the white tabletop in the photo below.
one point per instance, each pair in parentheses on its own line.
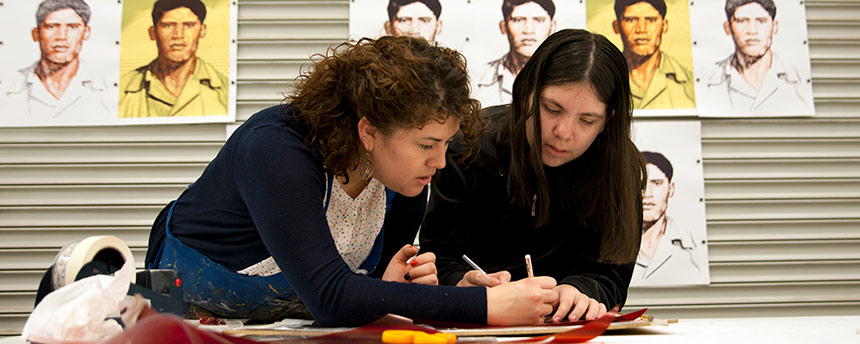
(787,330)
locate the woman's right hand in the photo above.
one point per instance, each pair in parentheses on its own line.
(477,278)
(524,302)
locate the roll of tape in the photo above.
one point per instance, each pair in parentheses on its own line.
(73,256)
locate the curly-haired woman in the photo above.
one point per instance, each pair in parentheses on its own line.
(306,198)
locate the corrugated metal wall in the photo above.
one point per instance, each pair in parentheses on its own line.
(783,195)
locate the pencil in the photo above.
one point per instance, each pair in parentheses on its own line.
(529,268)
(473,265)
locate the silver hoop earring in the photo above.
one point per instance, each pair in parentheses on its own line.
(366,168)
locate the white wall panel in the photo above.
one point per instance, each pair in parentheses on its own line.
(781,148)
(832,270)
(835,68)
(57,236)
(837,107)
(781,168)
(784,250)
(783,229)
(42,258)
(333,29)
(292,49)
(796,128)
(11,322)
(782,188)
(108,152)
(293,10)
(58,174)
(247,108)
(19,280)
(44,216)
(265,70)
(272,91)
(828,49)
(117,194)
(138,133)
(843,28)
(783,209)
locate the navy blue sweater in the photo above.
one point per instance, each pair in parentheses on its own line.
(263,195)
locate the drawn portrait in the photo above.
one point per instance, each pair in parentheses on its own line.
(752,58)
(674,247)
(60,62)
(414,18)
(176,61)
(654,36)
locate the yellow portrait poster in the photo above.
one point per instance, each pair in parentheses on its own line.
(176,61)
(654,36)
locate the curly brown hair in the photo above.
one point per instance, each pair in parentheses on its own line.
(394,82)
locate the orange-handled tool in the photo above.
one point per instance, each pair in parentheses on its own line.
(417,337)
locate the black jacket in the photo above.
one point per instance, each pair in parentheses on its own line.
(470,213)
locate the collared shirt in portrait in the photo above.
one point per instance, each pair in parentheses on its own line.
(143,95)
(24,98)
(783,91)
(671,87)
(496,83)
(678,259)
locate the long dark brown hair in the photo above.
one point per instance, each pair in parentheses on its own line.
(605,183)
(394,82)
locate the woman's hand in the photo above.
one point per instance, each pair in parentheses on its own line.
(583,306)
(475,277)
(524,302)
(421,269)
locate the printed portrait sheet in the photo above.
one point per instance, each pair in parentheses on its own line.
(101,62)
(674,249)
(477,29)
(656,44)
(750,64)
(82,93)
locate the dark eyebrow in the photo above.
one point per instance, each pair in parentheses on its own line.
(551,101)
(436,139)
(555,103)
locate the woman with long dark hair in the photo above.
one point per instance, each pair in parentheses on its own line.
(557,177)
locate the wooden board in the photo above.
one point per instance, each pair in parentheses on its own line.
(474,332)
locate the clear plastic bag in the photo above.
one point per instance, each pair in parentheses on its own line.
(82,312)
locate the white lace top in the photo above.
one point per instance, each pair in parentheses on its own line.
(354,223)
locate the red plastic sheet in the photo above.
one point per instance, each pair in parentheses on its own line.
(163,328)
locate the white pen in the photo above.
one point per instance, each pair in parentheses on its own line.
(473,265)
(529,268)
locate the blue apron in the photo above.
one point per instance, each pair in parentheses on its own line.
(208,285)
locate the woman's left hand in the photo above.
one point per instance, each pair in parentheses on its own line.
(578,304)
(421,269)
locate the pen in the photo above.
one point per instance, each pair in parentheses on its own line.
(529,268)
(473,265)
